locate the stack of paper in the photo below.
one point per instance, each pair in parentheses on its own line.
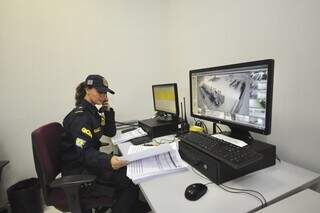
(228,139)
(140,152)
(123,137)
(167,162)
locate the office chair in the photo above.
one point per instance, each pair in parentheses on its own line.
(63,193)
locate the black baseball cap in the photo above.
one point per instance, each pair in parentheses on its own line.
(99,83)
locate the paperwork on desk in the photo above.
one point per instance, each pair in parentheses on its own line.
(140,152)
(123,137)
(234,141)
(160,164)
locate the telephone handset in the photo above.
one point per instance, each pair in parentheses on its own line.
(104,108)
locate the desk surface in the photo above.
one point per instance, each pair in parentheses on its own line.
(307,201)
(165,194)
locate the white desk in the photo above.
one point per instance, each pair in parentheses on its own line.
(165,194)
(307,201)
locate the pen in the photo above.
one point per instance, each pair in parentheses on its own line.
(149,144)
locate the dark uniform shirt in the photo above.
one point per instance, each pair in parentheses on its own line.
(84,127)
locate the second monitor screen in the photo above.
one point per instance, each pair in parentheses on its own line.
(164,97)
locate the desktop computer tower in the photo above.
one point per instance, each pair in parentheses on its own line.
(219,172)
(156,128)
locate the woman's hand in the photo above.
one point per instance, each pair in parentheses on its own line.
(117,164)
(105,106)
(105,102)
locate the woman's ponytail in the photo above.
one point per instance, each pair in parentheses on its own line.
(80,92)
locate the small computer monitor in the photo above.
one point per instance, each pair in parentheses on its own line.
(237,95)
(165,99)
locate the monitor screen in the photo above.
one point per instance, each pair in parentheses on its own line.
(165,98)
(238,95)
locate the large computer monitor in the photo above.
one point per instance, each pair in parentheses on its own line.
(165,100)
(237,95)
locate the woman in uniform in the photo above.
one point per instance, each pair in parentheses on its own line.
(84,126)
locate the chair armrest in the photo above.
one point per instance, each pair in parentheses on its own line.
(72,180)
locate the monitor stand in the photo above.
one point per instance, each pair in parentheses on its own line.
(241,135)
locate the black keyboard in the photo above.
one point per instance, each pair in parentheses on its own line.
(232,155)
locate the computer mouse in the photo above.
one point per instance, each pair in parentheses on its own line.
(195,191)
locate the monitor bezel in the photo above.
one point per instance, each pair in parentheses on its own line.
(268,121)
(175,87)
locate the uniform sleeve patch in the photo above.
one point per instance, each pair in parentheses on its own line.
(80,142)
(86,132)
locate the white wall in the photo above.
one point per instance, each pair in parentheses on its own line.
(212,33)
(47,47)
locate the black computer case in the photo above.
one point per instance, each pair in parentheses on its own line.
(217,171)
(156,128)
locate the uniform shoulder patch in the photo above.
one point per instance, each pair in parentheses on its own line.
(78,109)
(80,142)
(86,132)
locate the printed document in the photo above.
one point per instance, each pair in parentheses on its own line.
(140,152)
(228,139)
(123,137)
(151,167)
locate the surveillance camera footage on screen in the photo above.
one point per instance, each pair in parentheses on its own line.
(235,95)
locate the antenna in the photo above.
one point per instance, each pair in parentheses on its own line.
(185,112)
(181,111)
(184,123)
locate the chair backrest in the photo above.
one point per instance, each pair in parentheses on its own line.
(2,164)
(46,153)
